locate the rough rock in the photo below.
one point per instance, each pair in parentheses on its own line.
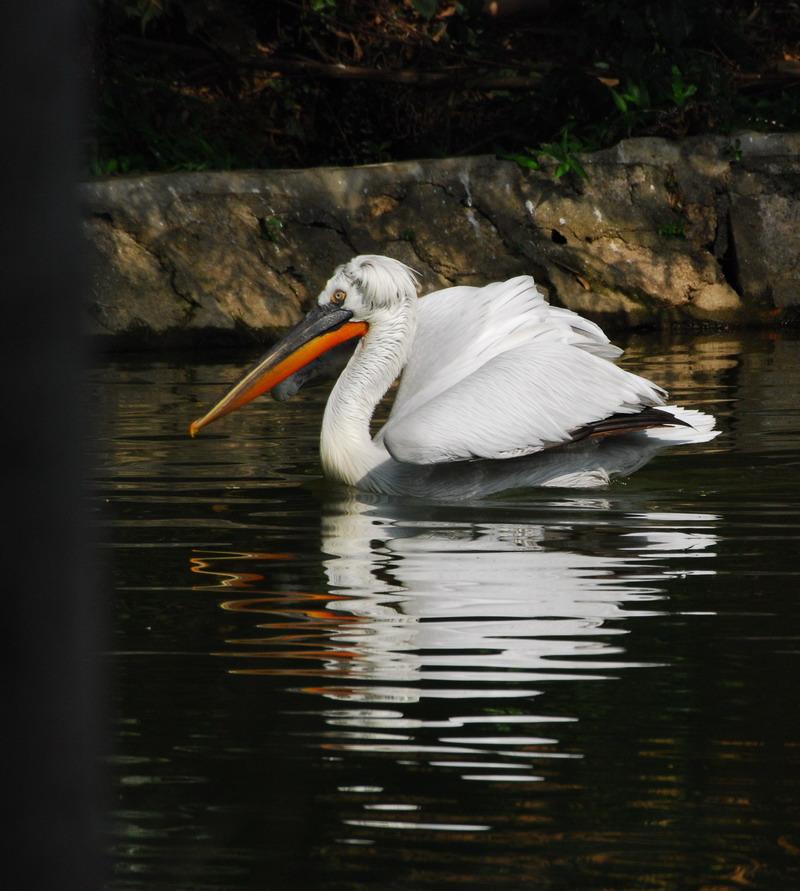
(696,231)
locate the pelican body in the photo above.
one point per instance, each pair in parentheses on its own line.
(490,376)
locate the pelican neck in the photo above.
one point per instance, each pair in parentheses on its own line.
(347,450)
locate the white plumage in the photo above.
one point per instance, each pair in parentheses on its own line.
(489,375)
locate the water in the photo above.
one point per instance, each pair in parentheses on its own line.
(556,689)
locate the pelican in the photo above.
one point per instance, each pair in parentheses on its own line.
(496,384)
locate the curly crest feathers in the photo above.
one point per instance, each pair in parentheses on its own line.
(381,279)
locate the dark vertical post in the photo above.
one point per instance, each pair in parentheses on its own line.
(49,614)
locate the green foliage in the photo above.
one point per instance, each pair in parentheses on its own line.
(681,92)
(195,85)
(673,229)
(109,166)
(632,105)
(145,11)
(524,160)
(270,229)
(426,8)
(735,150)
(564,151)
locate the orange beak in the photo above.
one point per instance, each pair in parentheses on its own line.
(325,327)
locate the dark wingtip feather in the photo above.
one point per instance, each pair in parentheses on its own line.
(628,423)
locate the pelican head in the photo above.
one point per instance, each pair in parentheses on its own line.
(369,290)
(370,284)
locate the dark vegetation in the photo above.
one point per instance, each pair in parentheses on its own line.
(219,84)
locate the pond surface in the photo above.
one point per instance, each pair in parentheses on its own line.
(557,688)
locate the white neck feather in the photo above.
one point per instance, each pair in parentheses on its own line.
(347,450)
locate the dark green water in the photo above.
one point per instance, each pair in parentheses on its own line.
(560,689)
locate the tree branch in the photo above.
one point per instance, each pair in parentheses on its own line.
(463,77)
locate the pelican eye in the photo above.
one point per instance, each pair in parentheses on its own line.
(338,296)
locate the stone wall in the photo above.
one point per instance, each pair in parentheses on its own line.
(697,231)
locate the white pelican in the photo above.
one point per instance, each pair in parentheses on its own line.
(490,376)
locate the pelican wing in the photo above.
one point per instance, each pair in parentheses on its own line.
(496,372)
(460,329)
(517,403)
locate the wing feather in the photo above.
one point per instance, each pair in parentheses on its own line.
(460,329)
(518,402)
